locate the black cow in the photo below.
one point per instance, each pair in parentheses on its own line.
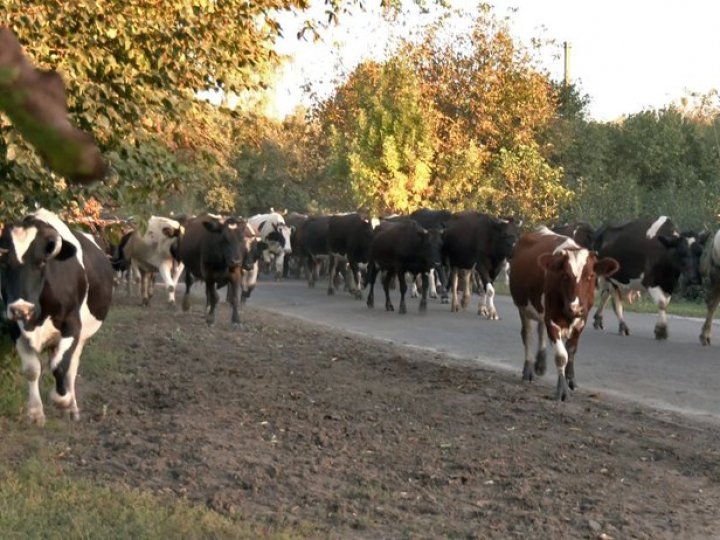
(580,231)
(349,236)
(217,251)
(479,242)
(652,255)
(57,288)
(403,247)
(312,241)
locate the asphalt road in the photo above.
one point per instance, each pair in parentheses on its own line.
(678,374)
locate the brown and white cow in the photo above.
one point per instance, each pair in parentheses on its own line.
(552,281)
(57,288)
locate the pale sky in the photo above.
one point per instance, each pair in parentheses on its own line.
(628,55)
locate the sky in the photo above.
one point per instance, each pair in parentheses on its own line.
(627,55)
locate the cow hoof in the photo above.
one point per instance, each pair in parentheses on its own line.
(562,392)
(483,312)
(598,323)
(145,302)
(186,304)
(389,307)
(465,302)
(704,340)
(357,295)
(331,291)
(36,416)
(528,374)
(454,308)
(434,296)
(625,331)
(370,303)
(540,363)
(403,309)
(661,331)
(423,306)
(444,299)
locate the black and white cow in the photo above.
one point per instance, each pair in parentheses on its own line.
(478,242)
(57,288)
(652,255)
(312,242)
(276,235)
(294,262)
(580,231)
(155,251)
(349,237)
(216,251)
(403,247)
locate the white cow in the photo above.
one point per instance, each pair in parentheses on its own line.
(153,252)
(276,234)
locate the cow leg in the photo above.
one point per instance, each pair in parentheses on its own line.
(454,305)
(169,279)
(571,345)
(604,297)
(387,278)
(248,282)
(561,361)
(188,285)
(403,292)
(541,356)
(145,278)
(31,367)
(414,290)
(279,265)
(526,334)
(661,300)
(712,300)
(372,276)
(354,280)
(432,283)
(623,329)
(467,293)
(425,277)
(64,365)
(331,276)
(444,284)
(233,287)
(211,299)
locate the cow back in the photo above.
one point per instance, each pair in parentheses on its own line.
(312,236)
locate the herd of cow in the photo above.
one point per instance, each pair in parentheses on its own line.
(57,284)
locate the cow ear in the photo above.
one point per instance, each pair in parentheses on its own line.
(606,267)
(545,260)
(212,226)
(168,231)
(57,248)
(669,241)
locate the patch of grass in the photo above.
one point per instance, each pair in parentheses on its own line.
(38,501)
(11,381)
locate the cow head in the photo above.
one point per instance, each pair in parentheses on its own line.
(25,251)
(431,245)
(570,276)
(683,253)
(234,244)
(285,232)
(507,234)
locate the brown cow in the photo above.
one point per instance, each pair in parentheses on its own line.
(552,280)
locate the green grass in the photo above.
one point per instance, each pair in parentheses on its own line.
(38,501)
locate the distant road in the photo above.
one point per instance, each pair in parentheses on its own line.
(678,374)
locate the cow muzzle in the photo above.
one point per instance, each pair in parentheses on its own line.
(21,311)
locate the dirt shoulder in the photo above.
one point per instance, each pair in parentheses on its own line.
(285,423)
